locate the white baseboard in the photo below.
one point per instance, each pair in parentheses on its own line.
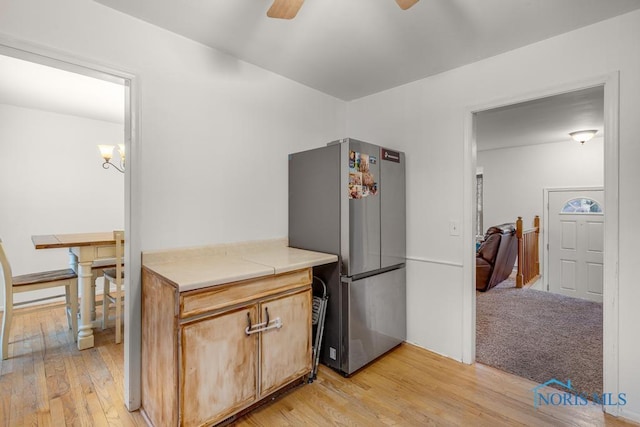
(629,415)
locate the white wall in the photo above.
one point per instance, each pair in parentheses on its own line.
(215,131)
(427,120)
(514,178)
(52,181)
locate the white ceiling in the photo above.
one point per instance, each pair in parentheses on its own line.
(30,85)
(353,48)
(542,120)
(327,48)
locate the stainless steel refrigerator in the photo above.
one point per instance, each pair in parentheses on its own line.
(348,198)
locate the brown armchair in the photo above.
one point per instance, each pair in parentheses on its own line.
(496,256)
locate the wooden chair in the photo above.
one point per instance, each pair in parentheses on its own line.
(98,268)
(32,282)
(116,297)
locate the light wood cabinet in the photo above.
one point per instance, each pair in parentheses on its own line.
(285,352)
(219,349)
(219,367)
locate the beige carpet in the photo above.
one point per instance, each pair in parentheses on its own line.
(540,335)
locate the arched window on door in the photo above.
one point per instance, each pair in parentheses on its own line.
(581,205)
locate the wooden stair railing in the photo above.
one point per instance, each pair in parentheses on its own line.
(528,253)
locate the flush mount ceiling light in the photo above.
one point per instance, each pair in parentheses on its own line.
(583,136)
(287,9)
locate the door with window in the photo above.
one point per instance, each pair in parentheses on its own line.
(576,243)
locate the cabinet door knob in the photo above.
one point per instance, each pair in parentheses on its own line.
(249,320)
(266,312)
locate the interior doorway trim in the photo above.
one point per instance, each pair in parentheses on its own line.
(611,83)
(69,62)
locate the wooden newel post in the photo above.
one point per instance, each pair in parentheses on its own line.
(536,224)
(519,275)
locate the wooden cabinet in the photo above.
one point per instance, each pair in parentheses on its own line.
(219,367)
(221,349)
(285,352)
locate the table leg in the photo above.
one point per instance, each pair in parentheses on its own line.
(73,264)
(85,328)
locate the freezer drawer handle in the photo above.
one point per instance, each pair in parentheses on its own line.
(264,326)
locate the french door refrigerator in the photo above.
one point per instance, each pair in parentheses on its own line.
(348,199)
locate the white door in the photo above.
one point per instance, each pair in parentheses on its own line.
(576,243)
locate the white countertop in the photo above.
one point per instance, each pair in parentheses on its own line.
(210,269)
(284,259)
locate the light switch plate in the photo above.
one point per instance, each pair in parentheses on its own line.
(454,228)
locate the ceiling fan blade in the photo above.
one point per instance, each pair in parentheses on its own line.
(284,9)
(406,4)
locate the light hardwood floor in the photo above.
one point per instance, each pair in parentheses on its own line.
(47,381)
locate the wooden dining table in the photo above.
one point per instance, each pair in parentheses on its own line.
(84,249)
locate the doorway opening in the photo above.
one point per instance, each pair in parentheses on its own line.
(515,203)
(88,200)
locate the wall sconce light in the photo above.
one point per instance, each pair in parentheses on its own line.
(583,136)
(106,151)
